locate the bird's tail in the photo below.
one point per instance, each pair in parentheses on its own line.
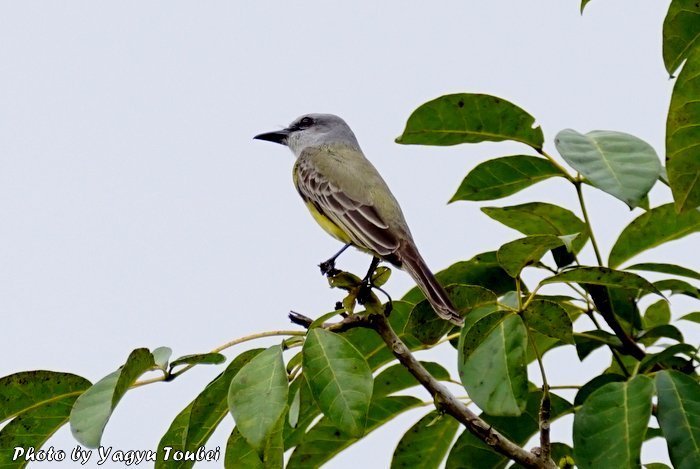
(413,263)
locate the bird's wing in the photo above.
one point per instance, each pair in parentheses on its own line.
(359,220)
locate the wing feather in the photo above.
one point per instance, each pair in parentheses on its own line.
(360,221)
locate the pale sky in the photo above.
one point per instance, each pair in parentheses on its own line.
(138,211)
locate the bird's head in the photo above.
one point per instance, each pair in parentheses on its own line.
(312,130)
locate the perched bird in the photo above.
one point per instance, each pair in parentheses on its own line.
(349,199)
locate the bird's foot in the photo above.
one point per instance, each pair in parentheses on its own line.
(328,268)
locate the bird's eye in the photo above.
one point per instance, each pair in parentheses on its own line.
(306,122)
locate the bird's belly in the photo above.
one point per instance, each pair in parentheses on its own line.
(328,225)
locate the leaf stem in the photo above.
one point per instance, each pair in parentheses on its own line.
(556,164)
(587,220)
(170,376)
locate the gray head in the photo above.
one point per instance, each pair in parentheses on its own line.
(313,130)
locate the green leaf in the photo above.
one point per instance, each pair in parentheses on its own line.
(339,378)
(39,403)
(397,378)
(593,385)
(257,396)
(308,412)
(199,359)
(667,356)
(550,319)
(657,314)
(465,298)
(678,287)
(539,218)
(481,270)
(683,135)
(602,276)
(694,317)
(583,6)
(492,360)
(426,443)
(664,330)
(239,453)
(516,255)
(653,228)
(470,118)
(611,424)
(505,176)
(193,426)
(425,325)
(665,269)
(93,408)
(324,440)
(681,33)
(587,342)
(620,164)
(679,417)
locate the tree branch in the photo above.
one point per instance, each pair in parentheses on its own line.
(445,401)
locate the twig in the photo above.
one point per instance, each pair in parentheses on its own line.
(545,409)
(170,376)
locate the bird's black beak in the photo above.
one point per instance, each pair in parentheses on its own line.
(278,136)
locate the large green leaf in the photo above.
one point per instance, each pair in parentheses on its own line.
(240,454)
(665,269)
(397,378)
(537,218)
(681,32)
(492,360)
(516,255)
(257,396)
(39,403)
(683,136)
(481,270)
(93,408)
(653,228)
(550,319)
(324,440)
(339,378)
(679,417)
(620,164)
(193,426)
(602,276)
(426,443)
(505,176)
(611,424)
(470,118)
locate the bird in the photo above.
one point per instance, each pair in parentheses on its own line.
(348,197)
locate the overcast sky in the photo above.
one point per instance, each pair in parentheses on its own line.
(137,210)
